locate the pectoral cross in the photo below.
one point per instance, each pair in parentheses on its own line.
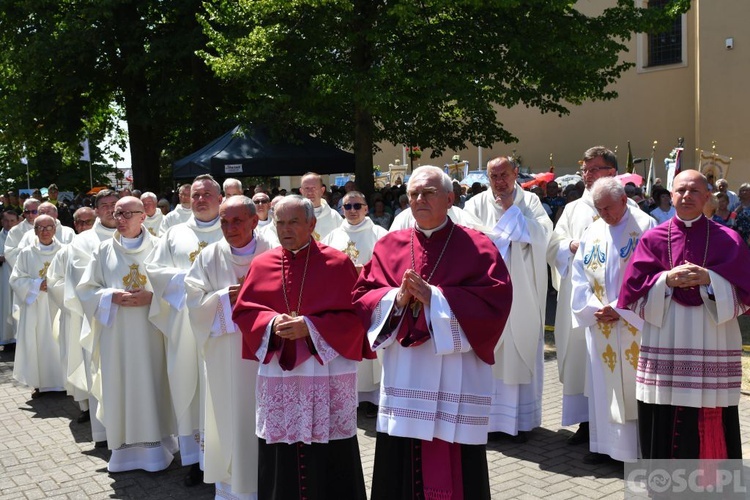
(415,306)
(293,314)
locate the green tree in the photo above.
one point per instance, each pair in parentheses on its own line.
(72,69)
(431,73)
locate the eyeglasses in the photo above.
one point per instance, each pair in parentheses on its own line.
(44,228)
(585,171)
(88,222)
(126,213)
(355,206)
(261,202)
(32,212)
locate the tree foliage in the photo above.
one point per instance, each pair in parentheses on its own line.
(432,73)
(71,69)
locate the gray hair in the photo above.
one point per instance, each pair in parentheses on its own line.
(149,194)
(607,187)
(232,182)
(246,202)
(427,170)
(48,207)
(295,201)
(30,201)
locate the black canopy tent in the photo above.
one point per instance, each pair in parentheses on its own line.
(250,151)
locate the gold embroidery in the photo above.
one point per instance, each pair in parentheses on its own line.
(595,218)
(632,355)
(201,246)
(43,270)
(598,291)
(605,328)
(610,358)
(316,235)
(134,280)
(633,330)
(150,230)
(351,251)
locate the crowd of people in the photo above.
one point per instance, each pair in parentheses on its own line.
(244,327)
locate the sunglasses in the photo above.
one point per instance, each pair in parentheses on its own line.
(355,206)
(32,212)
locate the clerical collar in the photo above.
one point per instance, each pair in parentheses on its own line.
(44,247)
(295,252)
(210,223)
(248,249)
(262,223)
(428,232)
(131,243)
(347,226)
(689,223)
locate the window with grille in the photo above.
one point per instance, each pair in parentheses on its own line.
(666,47)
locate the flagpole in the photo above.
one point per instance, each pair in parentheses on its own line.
(650,180)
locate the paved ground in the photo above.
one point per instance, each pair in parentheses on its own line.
(44,453)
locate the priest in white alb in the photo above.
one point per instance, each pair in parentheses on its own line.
(570,342)
(613,335)
(520,229)
(154,217)
(213,282)
(127,351)
(61,287)
(328,219)
(182,211)
(37,362)
(167,267)
(356,237)
(7,326)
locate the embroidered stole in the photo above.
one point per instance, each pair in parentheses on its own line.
(617,344)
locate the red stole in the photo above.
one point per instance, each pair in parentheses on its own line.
(326,302)
(471,276)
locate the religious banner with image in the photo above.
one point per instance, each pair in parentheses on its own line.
(714,166)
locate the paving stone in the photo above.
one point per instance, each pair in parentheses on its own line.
(46,454)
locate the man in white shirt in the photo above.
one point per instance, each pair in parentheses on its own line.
(328,219)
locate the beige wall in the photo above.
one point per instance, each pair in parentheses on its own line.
(703,101)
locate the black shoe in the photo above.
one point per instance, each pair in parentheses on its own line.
(84,417)
(36,394)
(581,436)
(594,458)
(520,438)
(100,444)
(371,410)
(194,477)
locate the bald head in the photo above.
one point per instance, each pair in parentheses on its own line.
(689,194)
(48,208)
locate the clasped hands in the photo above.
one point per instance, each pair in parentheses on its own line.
(133,298)
(607,314)
(413,286)
(290,327)
(688,275)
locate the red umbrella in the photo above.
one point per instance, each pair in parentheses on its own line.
(539,180)
(634,178)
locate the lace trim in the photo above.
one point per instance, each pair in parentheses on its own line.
(307,409)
